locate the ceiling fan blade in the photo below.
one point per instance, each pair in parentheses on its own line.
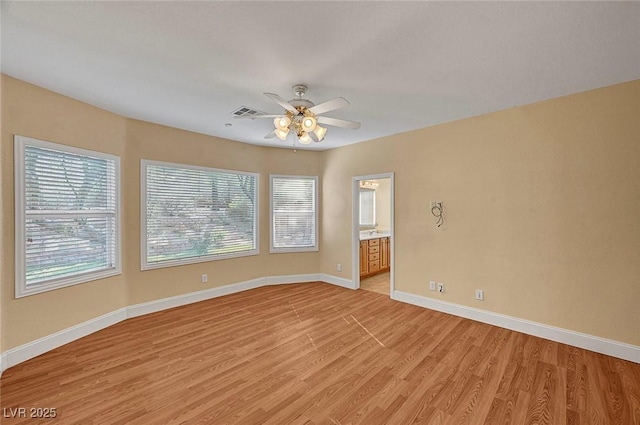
(313,136)
(252,117)
(271,135)
(335,122)
(330,105)
(280,101)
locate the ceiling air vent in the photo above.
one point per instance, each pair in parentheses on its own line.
(245,111)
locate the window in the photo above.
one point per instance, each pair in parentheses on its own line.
(67,215)
(193,214)
(367,208)
(294,215)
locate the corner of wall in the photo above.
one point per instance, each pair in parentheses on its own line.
(31,349)
(2,143)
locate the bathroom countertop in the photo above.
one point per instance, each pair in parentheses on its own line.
(366,236)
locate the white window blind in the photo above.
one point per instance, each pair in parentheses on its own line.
(294,215)
(66,215)
(195,214)
(367,207)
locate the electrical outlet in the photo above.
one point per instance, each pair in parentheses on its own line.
(441,287)
(204,278)
(339,267)
(432,285)
(479,294)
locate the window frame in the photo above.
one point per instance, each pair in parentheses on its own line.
(144,265)
(21,289)
(316,246)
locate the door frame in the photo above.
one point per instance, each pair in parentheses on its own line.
(355,227)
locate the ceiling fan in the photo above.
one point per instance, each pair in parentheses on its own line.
(303,117)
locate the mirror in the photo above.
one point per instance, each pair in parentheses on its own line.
(367,208)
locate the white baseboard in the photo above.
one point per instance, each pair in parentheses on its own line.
(335,280)
(3,363)
(192,297)
(292,278)
(32,349)
(565,336)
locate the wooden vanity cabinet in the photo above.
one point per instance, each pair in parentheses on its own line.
(374,256)
(364,262)
(384,253)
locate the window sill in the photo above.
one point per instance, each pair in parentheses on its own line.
(23,291)
(293,250)
(195,260)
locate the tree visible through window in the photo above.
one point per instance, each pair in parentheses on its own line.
(294,219)
(67,210)
(197,214)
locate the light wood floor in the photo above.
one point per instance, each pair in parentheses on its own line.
(319,354)
(377,283)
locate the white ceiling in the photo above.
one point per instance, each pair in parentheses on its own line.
(402,65)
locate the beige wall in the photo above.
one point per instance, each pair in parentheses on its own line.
(151,141)
(2,235)
(32,111)
(383,204)
(541,206)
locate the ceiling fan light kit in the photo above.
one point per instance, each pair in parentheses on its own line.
(308,123)
(304,139)
(301,116)
(282,122)
(282,133)
(320,132)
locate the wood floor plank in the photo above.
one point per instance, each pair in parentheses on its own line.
(316,354)
(543,395)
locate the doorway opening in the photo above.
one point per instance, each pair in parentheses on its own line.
(373,240)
